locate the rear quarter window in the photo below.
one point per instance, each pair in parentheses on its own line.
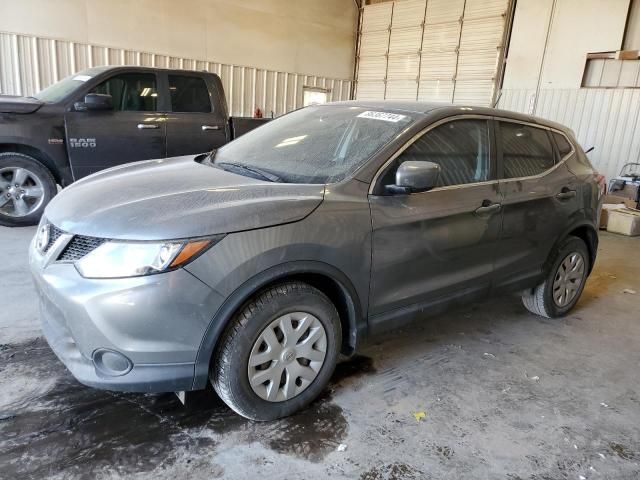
(564,147)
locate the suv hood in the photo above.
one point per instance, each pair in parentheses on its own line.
(15,104)
(176,198)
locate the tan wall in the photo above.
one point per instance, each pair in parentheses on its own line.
(578,27)
(303,36)
(632,37)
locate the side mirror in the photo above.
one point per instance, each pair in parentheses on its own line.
(94,101)
(413,176)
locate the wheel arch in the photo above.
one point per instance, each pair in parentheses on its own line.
(587,233)
(326,278)
(35,153)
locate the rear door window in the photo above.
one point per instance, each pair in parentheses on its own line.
(189,94)
(526,150)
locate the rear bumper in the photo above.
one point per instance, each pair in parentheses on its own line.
(154,325)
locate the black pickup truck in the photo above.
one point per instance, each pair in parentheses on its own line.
(100,118)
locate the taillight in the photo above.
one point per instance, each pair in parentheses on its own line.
(602,184)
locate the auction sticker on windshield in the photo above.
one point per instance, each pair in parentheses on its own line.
(384,116)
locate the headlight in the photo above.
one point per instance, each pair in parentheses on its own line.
(117,259)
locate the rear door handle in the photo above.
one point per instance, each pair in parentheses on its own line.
(147,126)
(488,209)
(566,194)
(210,127)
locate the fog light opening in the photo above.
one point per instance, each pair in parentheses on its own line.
(111,363)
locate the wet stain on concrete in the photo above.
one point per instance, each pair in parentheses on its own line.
(82,432)
(621,451)
(392,471)
(353,368)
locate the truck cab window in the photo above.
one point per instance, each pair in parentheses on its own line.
(133,92)
(189,94)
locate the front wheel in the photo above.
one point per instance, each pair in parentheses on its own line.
(278,353)
(561,289)
(26,187)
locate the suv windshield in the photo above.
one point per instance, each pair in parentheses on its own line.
(318,144)
(58,91)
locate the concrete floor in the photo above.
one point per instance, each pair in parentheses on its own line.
(505,395)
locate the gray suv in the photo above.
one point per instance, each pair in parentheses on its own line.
(253,267)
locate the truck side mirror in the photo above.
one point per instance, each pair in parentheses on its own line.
(413,176)
(94,101)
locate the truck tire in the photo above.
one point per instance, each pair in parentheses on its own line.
(26,187)
(565,280)
(278,353)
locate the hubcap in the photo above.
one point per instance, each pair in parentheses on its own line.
(22,192)
(287,356)
(568,279)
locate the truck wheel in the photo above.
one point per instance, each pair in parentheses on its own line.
(26,187)
(278,353)
(561,289)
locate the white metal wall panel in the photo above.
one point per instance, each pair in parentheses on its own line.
(404,67)
(374,44)
(373,51)
(444,11)
(408,13)
(372,68)
(441,37)
(29,64)
(438,66)
(473,92)
(371,90)
(607,119)
(482,33)
(401,89)
(435,90)
(377,17)
(451,48)
(479,51)
(484,8)
(405,40)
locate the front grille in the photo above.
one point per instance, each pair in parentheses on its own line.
(54,234)
(78,247)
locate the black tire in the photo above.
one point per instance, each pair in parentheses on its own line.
(540,300)
(9,160)
(229,370)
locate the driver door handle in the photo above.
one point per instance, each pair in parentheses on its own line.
(210,127)
(488,209)
(566,194)
(147,126)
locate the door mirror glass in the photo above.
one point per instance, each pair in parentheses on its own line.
(415,176)
(95,101)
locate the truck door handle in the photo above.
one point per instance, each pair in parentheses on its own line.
(488,208)
(566,194)
(210,127)
(147,126)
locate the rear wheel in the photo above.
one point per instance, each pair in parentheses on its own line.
(278,353)
(561,289)
(26,187)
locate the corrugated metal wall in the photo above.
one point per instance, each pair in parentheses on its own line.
(29,64)
(607,119)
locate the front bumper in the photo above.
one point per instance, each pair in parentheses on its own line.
(155,322)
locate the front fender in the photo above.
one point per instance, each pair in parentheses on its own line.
(224,314)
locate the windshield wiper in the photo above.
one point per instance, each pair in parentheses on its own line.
(265,175)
